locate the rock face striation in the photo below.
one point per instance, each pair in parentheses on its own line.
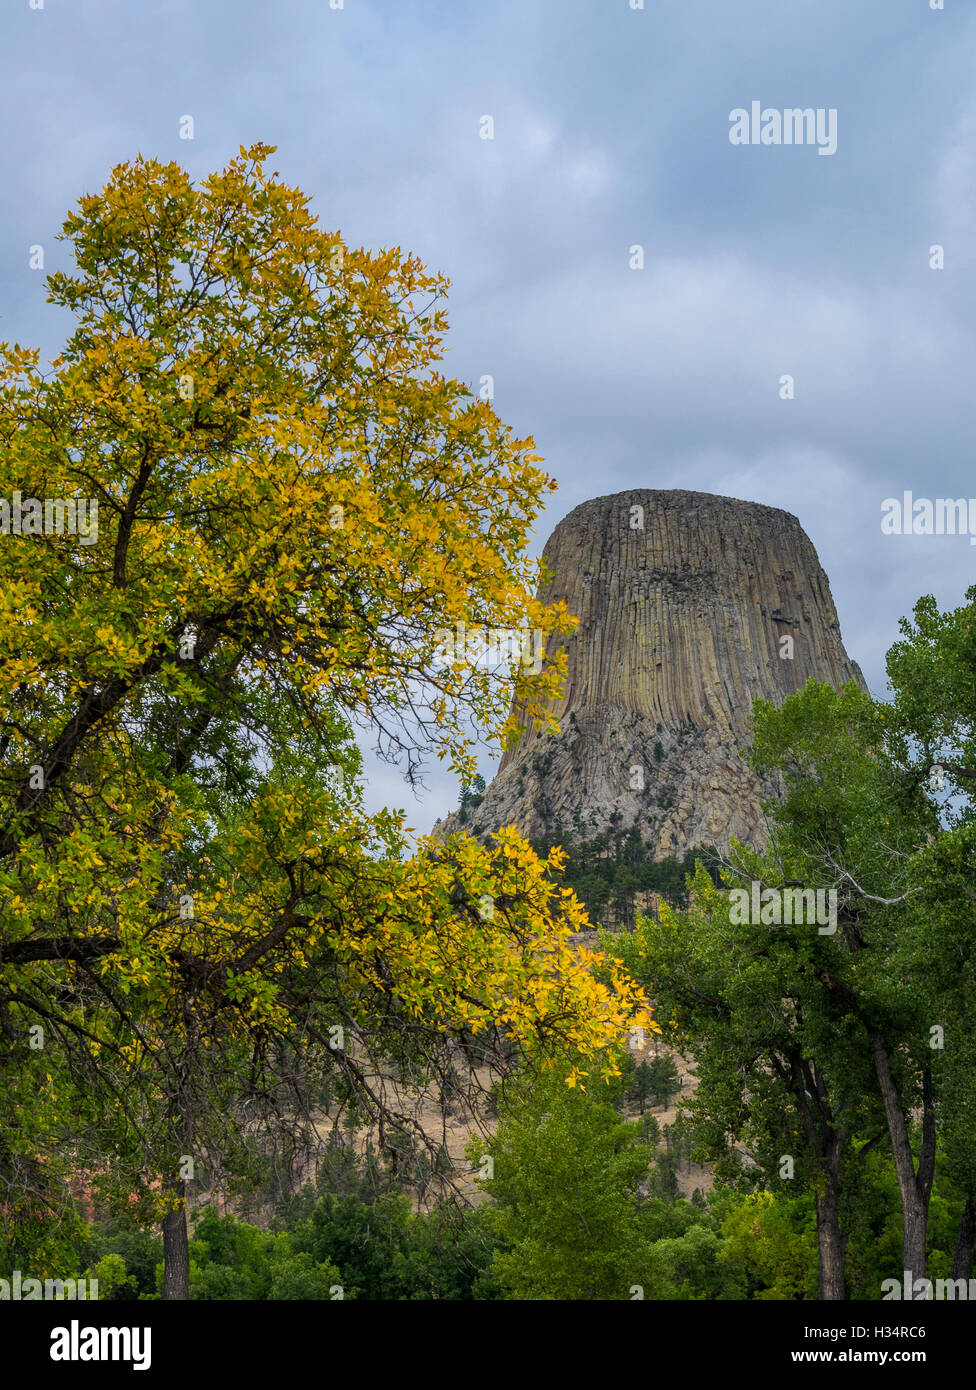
(690,607)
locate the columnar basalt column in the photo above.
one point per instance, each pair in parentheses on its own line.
(690,607)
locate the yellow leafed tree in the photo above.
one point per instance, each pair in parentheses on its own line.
(239,510)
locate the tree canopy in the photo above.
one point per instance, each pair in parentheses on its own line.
(292,504)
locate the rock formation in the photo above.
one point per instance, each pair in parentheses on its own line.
(690,607)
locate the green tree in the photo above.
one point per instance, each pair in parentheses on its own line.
(565,1186)
(114,1280)
(774,1240)
(664,1078)
(931,734)
(778,1068)
(294,1275)
(639,1084)
(855,818)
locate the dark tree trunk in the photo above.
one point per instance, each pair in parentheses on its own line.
(831,1241)
(831,1244)
(915,1187)
(176,1244)
(962,1261)
(828,1141)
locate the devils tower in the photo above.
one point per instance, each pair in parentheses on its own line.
(690,606)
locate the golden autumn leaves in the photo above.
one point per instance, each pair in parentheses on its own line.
(293,502)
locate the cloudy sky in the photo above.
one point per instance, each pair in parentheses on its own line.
(611,130)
